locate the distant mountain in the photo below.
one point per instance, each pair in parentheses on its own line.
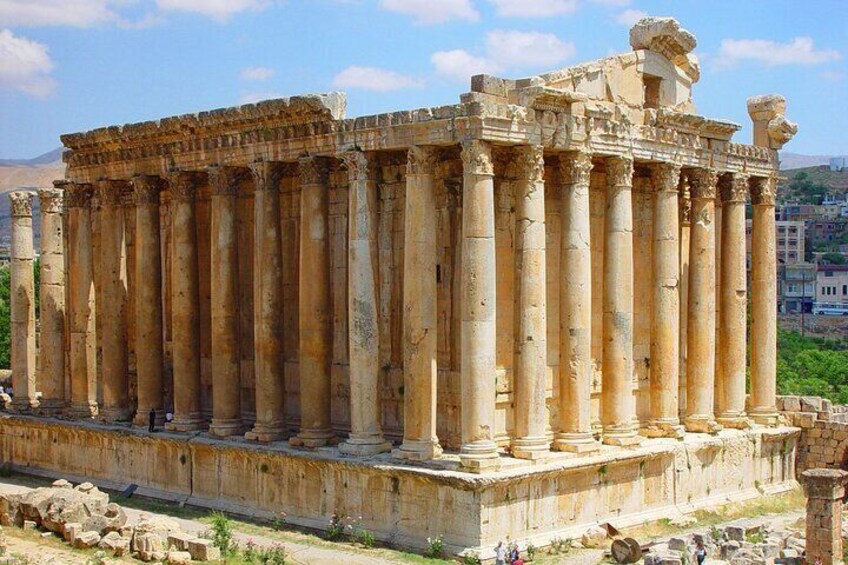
(797,161)
(17,174)
(54,156)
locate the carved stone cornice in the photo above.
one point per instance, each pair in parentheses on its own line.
(685,195)
(110,192)
(477,158)
(225,180)
(576,168)
(702,183)
(51,200)
(665,177)
(147,188)
(619,171)
(733,187)
(184,185)
(21,203)
(763,191)
(360,166)
(313,171)
(530,162)
(78,195)
(421,160)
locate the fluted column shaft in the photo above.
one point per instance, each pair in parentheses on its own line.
(478,450)
(22,303)
(113,299)
(83,348)
(51,343)
(149,339)
(730,407)
(575,304)
(529,438)
(685,232)
(618,407)
(314,304)
(700,385)
(665,322)
(420,370)
(185,293)
(226,383)
(763,303)
(268,304)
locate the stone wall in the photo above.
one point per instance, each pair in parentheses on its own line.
(824,431)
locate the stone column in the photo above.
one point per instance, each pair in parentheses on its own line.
(825,489)
(618,406)
(113,294)
(701,331)
(226,383)
(149,344)
(478,451)
(763,303)
(185,316)
(51,343)
(665,324)
(529,439)
(575,308)
(268,304)
(81,302)
(420,367)
(22,304)
(314,304)
(685,231)
(366,435)
(730,407)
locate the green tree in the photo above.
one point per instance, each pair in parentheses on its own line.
(812,366)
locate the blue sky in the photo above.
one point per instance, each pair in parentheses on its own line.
(71,65)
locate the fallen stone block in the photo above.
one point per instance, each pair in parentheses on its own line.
(70,531)
(30,525)
(86,540)
(115,543)
(734,533)
(677,544)
(729,549)
(146,543)
(203,550)
(179,540)
(61,483)
(178,557)
(595,536)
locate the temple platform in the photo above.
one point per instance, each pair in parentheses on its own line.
(404,504)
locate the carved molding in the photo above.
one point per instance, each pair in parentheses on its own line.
(313,171)
(619,171)
(477,158)
(184,185)
(360,166)
(763,191)
(225,181)
(267,175)
(665,177)
(733,187)
(21,203)
(110,192)
(51,200)
(147,188)
(78,195)
(703,183)
(530,160)
(421,160)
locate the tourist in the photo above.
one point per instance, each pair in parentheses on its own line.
(169,417)
(517,559)
(151,421)
(700,553)
(500,554)
(513,552)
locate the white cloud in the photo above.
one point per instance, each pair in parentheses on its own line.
(533,8)
(630,17)
(219,10)
(613,3)
(77,13)
(427,12)
(373,78)
(460,65)
(257,73)
(25,65)
(252,97)
(799,51)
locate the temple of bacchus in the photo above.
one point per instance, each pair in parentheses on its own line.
(508,317)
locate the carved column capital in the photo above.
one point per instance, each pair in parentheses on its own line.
(78,195)
(763,191)
(184,185)
(619,171)
(147,188)
(110,193)
(360,166)
(576,168)
(313,171)
(267,175)
(21,203)
(702,183)
(51,200)
(477,158)
(420,160)
(665,176)
(530,161)
(225,180)
(733,187)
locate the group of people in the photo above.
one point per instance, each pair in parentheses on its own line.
(507,555)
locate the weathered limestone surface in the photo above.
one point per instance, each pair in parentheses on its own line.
(825,489)
(51,343)
(22,303)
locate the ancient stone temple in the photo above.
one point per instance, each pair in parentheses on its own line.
(512,316)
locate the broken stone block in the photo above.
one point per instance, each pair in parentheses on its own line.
(146,544)
(203,550)
(115,543)
(729,549)
(61,483)
(30,525)
(734,533)
(677,544)
(595,536)
(811,404)
(70,530)
(178,557)
(179,541)
(770,550)
(86,540)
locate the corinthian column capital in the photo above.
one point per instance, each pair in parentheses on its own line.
(110,193)
(21,202)
(313,170)
(184,185)
(576,168)
(360,166)
(78,195)
(267,175)
(51,200)
(665,176)
(477,158)
(763,190)
(619,171)
(530,162)
(733,187)
(703,182)
(147,188)
(224,181)
(420,160)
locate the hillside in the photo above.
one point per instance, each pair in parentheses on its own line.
(16,174)
(810,184)
(790,161)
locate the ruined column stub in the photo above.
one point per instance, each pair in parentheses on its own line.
(22,303)
(771,128)
(51,351)
(825,490)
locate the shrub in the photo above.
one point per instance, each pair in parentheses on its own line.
(222,534)
(435,547)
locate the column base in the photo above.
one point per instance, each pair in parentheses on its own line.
(364,447)
(532,448)
(24,405)
(226,428)
(186,423)
(114,414)
(312,438)
(576,443)
(142,418)
(479,457)
(265,432)
(417,450)
(765,418)
(82,411)
(736,421)
(51,407)
(702,425)
(621,436)
(661,428)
